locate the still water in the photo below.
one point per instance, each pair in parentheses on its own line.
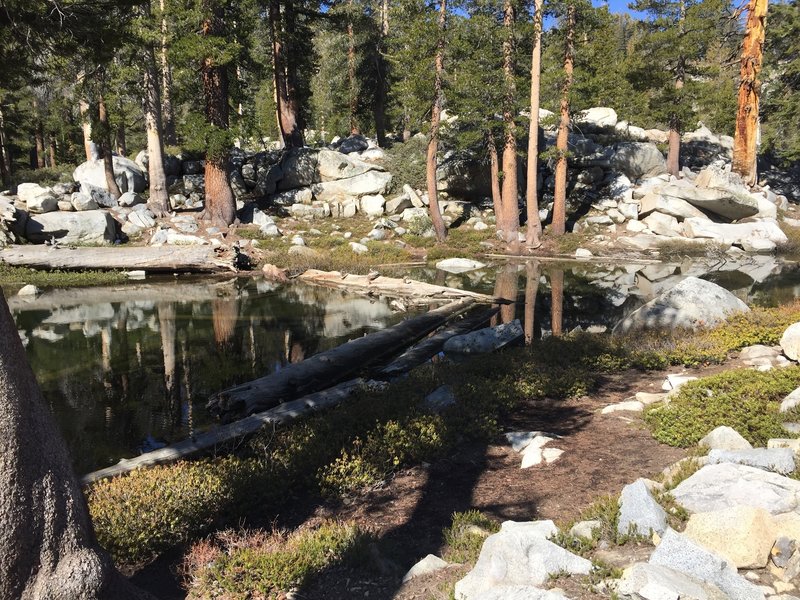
(127,369)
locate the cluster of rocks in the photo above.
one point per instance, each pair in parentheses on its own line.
(741,539)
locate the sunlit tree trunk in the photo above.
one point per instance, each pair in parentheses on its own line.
(105,147)
(534,231)
(433,142)
(220,205)
(381,69)
(158,202)
(5,156)
(560,199)
(167,327)
(122,142)
(86,128)
(38,134)
(47,546)
(746,134)
(557,301)
(531,290)
(508,221)
(168,113)
(224,316)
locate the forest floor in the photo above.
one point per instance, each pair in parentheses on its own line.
(408,513)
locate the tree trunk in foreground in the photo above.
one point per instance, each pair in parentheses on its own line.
(746,135)
(494,174)
(5,157)
(52,145)
(47,547)
(508,221)
(38,135)
(534,231)
(105,148)
(159,198)
(560,200)
(86,128)
(352,85)
(675,125)
(167,111)
(220,205)
(433,143)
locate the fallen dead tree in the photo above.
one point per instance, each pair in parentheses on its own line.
(327,368)
(414,292)
(154,259)
(279,415)
(430,347)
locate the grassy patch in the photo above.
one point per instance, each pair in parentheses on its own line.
(19,276)
(465,536)
(678,247)
(744,399)
(259,564)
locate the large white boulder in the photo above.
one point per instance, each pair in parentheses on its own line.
(38,199)
(128,175)
(333,166)
(639,513)
(88,227)
(656,582)
(369,183)
(518,556)
(691,304)
(790,343)
(676,207)
(638,159)
(720,486)
(735,233)
(598,116)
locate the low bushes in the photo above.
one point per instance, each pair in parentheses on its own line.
(744,399)
(262,565)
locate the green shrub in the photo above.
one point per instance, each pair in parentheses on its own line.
(744,399)
(45,177)
(22,276)
(268,565)
(142,513)
(465,536)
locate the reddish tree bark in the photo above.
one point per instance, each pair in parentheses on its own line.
(433,142)
(105,147)
(746,134)
(675,125)
(557,301)
(158,202)
(286,101)
(220,205)
(508,221)
(560,199)
(494,174)
(534,230)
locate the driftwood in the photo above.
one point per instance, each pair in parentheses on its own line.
(327,368)
(415,292)
(196,259)
(277,416)
(429,347)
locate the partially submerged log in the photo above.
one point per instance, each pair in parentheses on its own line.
(415,292)
(279,415)
(326,368)
(154,259)
(430,347)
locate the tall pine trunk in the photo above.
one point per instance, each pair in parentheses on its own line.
(433,142)
(52,148)
(38,135)
(159,198)
(287,106)
(534,231)
(122,142)
(381,68)
(509,219)
(560,199)
(47,547)
(557,302)
(105,147)
(220,205)
(167,112)
(531,290)
(675,125)
(746,135)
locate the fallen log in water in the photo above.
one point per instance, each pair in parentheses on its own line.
(430,347)
(279,415)
(327,368)
(416,292)
(196,259)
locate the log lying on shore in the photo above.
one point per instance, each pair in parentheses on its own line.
(430,347)
(327,368)
(277,416)
(154,259)
(415,292)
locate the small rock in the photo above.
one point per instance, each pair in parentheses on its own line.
(130,199)
(583,253)
(358,248)
(782,551)
(790,401)
(485,340)
(629,405)
(655,582)
(273,273)
(725,438)
(585,529)
(429,564)
(298,241)
(648,398)
(29,290)
(459,265)
(639,512)
(674,381)
(440,399)
(137,275)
